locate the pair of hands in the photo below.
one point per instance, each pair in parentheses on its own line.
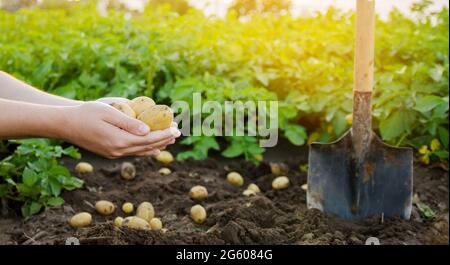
(108,132)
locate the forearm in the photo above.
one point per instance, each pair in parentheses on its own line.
(23,119)
(13,89)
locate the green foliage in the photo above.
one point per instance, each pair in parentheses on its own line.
(304,63)
(426,211)
(33,176)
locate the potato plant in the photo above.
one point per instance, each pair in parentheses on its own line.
(33,176)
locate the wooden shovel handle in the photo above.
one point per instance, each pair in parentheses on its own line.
(365,45)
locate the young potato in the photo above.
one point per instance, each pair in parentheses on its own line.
(158,117)
(84,167)
(198,192)
(164,171)
(127,207)
(155,224)
(198,214)
(118,221)
(279,168)
(145,211)
(124,108)
(280,183)
(140,104)
(136,223)
(105,207)
(235,179)
(249,193)
(304,187)
(164,157)
(79,220)
(127,171)
(253,187)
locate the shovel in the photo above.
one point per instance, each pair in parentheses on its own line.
(359,176)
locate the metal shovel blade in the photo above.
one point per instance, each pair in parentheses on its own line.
(381,184)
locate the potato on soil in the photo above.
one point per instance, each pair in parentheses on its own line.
(79,220)
(198,214)
(155,224)
(136,223)
(140,104)
(235,179)
(253,187)
(280,183)
(127,171)
(145,211)
(124,108)
(198,192)
(105,207)
(304,187)
(164,157)
(118,221)
(164,171)
(127,207)
(279,168)
(249,193)
(158,117)
(84,167)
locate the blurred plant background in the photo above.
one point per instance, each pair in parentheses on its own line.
(245,50)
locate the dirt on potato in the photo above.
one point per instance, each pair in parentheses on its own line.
(270,217)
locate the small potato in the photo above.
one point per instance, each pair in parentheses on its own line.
(145,211)
(79,220)
(249,193)
(198,214)
(279,168)
(140,104)
(253,187)
(158,117)
(118,221)
(127,207)
(164,157)
(105,207)
(127,171)
(235,179)
(124,108)
(164,171)
(155,224)
(280,183)
(198,192)
(304,187)
(136,223)
(84,167)
(258,157)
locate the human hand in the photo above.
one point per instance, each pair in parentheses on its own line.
(108,132)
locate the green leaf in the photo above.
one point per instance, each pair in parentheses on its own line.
(29,177)
(31,209)
(72,152)
(296,134)
(233,150)
(441,154)
(396,124)
(55,201)
(427,103)
(443,136)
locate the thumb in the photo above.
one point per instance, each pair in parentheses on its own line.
(127,123)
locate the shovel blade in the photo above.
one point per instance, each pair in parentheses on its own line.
(385,186)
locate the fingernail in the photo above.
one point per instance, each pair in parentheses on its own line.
(144,128)
(156,152)
(175,132)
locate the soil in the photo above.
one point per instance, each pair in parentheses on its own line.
(272,217)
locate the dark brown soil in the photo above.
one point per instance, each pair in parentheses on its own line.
(273,217)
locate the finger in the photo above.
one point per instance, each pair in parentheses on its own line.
(131,125)
(145,148)
(157,136)
(109,100)
(149,153)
